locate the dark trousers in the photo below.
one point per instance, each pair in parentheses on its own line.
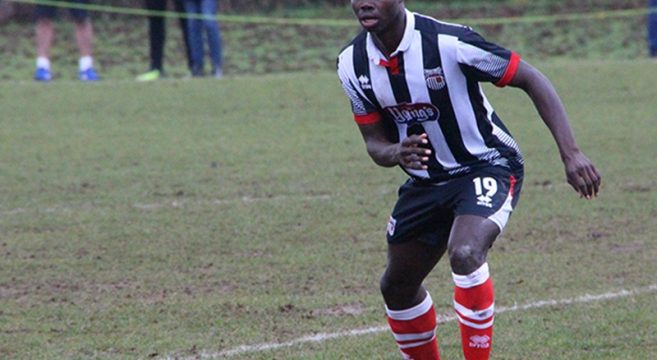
(157,32)
(652,28)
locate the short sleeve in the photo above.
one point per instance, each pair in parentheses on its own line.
(364,111)
(484,61)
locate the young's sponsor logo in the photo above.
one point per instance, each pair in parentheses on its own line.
(413,113)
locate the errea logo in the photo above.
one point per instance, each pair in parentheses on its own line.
(483,200)
(480,341)
(365,82)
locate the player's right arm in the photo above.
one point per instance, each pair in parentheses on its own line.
(408,153)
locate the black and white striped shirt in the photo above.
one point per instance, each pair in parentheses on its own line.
(431,84)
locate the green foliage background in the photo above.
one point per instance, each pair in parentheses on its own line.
(262,6)
(121,45)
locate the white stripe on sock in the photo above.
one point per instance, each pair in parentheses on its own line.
(475,314)
(412,313)
(415,336)
(476,278)
(416,344)
(475,325)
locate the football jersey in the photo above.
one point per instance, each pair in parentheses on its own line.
(431,84)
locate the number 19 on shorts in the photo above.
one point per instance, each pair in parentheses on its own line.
(485,189)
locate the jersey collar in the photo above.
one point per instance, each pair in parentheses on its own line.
(376,55)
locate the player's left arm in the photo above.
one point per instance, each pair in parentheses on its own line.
(580,171)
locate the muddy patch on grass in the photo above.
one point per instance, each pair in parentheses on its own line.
(128,291)
(352,309)
(632,187)
(631,247)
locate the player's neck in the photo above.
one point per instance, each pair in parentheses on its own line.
(388,41)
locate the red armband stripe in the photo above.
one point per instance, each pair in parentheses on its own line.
(510,72)
(367,119)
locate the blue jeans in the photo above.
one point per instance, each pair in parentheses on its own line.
(195,33)
(652,28)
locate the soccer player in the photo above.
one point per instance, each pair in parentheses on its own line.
(414,86)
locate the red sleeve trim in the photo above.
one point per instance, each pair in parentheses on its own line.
(510,72)
(367,119)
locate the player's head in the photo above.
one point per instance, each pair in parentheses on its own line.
(378,16)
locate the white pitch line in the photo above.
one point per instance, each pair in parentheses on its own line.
(243,199)
(441,319)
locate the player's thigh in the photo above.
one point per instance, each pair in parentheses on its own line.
(44,12)
(491,193)
(80,15)
(420,215)
(470,239)
(484,202)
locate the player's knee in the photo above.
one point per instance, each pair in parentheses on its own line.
(465,259)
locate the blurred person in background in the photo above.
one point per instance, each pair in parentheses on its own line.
(45,36)
(196,26)
(6,11)
(652,28)
(157,38)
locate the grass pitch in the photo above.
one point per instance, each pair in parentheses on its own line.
(188,218)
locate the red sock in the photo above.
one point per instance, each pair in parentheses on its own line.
(474,302)
(415,330)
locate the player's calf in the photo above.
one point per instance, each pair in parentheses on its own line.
(414,330)
(474,303)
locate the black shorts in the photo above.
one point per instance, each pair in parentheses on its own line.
(48,11)
(426,211)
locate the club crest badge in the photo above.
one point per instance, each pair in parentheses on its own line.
(435,78)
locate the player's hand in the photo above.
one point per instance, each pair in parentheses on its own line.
(582,175)
(411,153)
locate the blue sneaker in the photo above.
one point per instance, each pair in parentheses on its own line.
(89,75)
(42,74)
